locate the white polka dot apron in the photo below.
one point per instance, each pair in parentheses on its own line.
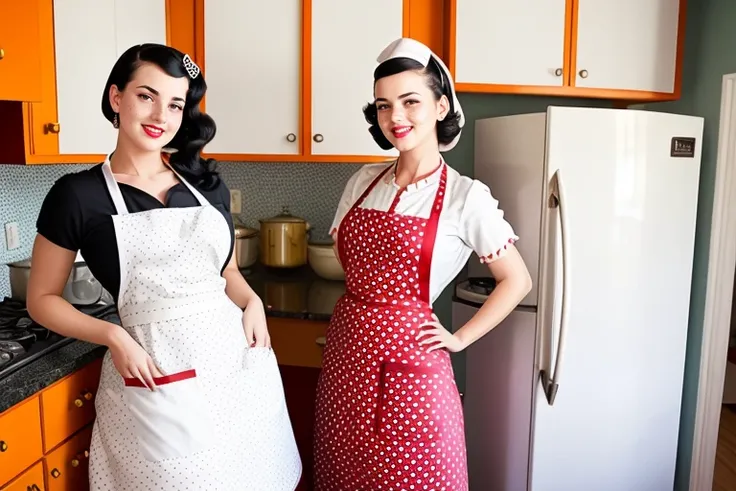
(217,419)
(388,413)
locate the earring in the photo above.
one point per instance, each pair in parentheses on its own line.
(115,121)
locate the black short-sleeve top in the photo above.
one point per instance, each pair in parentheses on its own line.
(77,215)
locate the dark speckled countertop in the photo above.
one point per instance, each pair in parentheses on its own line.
(290,293)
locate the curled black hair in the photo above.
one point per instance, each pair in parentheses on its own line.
(447,129)
(197,128)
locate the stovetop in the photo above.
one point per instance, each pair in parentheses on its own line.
(23,340)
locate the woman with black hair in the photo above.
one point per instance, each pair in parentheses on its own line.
(190,395)
(388,411)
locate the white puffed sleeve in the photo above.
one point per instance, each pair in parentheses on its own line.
(346,201)
(483,226)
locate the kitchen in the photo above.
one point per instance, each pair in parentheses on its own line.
(274,175)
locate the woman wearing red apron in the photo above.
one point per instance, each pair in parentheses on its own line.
(388,411)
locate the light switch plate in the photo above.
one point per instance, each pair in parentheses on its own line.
(12,236)
(236,201)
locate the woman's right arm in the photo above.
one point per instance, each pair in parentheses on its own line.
(50,269)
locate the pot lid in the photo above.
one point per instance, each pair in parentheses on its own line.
(283,217)
(243,232)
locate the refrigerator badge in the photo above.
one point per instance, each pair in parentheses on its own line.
(682,147)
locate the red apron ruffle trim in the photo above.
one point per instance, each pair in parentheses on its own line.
(496,255)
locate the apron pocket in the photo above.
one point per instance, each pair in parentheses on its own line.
(171,421)
(410,403)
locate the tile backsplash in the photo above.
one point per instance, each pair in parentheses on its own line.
(310,191)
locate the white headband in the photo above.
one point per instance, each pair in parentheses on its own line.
(413,49)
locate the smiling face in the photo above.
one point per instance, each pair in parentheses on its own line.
(150,108)
(408,111)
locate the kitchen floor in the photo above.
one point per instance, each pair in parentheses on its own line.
(724,477)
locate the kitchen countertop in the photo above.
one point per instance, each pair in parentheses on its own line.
(295,293)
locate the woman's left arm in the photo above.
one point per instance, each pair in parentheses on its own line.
(512,284)
(254,316)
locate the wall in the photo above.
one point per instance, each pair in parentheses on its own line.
(709,55)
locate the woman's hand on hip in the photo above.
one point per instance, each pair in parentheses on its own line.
(435,334)
(131,360)
(254,324)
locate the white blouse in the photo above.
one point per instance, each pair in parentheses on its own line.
(471,220)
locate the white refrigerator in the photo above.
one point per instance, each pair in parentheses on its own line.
(579,388)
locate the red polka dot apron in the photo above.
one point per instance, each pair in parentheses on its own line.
(218,418)
(388,413)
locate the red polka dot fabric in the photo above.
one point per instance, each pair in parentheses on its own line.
(389,415)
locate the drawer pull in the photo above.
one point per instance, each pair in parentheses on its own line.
(3,446)
(86,396)
(55,473)
(321,341)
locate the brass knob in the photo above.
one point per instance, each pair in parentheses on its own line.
(33,487)
(52,127)
(78,402)
(75,462)
(583,73)
(55,473)
(2,53)
(321,341)
(291,137)
(86,454)
(558,72)
(88,395)
(319,138)
(3,446)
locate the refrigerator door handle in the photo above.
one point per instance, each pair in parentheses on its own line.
(557,200)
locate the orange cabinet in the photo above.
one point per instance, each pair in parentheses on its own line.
(30,480)
(69,405)
(20,65)
(64,123)
(66,467)
(297,342)
(44,440)
(20,438)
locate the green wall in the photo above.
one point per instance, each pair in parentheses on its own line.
(710,54)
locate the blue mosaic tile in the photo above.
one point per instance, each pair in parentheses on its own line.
(308,190)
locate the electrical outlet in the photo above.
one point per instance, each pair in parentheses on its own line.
(12,236)
(236,201)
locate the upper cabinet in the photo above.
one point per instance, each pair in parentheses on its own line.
(628,49)
(287,80)
(20,67)
(79,44)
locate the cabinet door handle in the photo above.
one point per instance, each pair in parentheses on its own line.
(558,72)
(3,446)
(2,53)
(52,127)
(319,138)
(291,137)
(55,473)
(583,73)
(321,341)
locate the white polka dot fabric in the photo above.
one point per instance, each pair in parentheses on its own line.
(172,302)
(389,415)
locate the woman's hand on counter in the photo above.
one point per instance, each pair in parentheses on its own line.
(130,359)
(254,324)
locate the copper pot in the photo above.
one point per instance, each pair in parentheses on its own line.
(284,240)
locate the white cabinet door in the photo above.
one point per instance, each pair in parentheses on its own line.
(347,37)
(253,69)
(627,44)
(89,37)
(510,43)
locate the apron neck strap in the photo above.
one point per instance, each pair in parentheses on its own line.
(114,189)
(117,197)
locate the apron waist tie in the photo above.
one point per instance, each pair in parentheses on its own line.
(166,309)
(389,303)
